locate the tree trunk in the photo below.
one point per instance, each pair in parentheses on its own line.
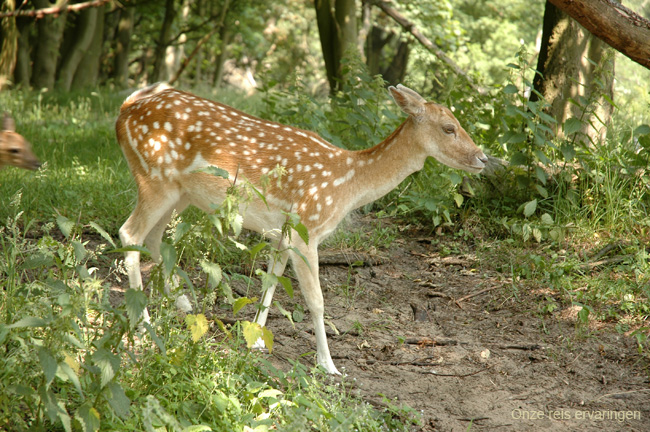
(387,55)
(163,42)
(46,54)
(337,27)
(77,43)
(123,47)
(571,63)
(9,48)
(23,61)
(87,73)
(613,23)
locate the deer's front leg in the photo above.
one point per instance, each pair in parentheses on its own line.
(276,266)
(307,274)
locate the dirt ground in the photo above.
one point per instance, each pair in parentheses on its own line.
(439,333)
(448,339)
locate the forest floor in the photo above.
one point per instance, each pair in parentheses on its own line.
(451,341)
(417,326)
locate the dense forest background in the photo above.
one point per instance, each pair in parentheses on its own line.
(431,45)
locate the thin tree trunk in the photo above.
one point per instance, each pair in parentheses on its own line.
(163,41)
(80,39)
(23,61)
(46,53)
(337,27)
(123,47)
(87,73)
(9,48)
(569,59)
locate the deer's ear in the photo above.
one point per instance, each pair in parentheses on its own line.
(408,100)
(8,123)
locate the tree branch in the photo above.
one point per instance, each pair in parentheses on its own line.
(430,46)
(614,24)
(54,10)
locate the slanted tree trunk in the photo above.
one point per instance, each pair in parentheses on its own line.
(123,47)
(337,27)
(576,74)
(77,43)
(87,73)
(46,54)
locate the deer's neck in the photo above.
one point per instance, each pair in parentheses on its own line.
(380,169)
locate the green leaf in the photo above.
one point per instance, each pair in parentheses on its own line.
(257,249)
(572,126)
(298,314)
(131,248)
(168,255)
(511,88)
(537,235)
(455,178)
(28,322)
(644,129)
(79,250)
(156,339)
(198,325)
(214,273)
(286,284)
(118,400)
(213,170)
(108,364)
(102,233)
(181,229)
(284,312)
(542,191)
(48,364)
(68,372)
(458,198)
(240,303)
(65,225)
(88,417)
(541,174)
(518,158)
(267,337)
(530,208)
(252,332)
(136,301)
(302,232)
(547,219)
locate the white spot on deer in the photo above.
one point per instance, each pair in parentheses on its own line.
(301,182)
(314,217)
(168,158)
(299,167)
(319,207)
(168,127)
(307,168)
(177,115)
(163,138)
(313,190)
(326,173)
(177,102)
(187,146)
(156,125)
(144,128)
(261,134)
(185,116)
(265,170)
(174,154)
(160,160)
(329,200)
(339,181)
(324,185)
(349,160)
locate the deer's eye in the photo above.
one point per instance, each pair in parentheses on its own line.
(449,129)
(14,151)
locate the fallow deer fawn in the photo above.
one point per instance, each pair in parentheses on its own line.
(14,149)
(167,135)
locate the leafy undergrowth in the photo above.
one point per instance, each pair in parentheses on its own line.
(71,360)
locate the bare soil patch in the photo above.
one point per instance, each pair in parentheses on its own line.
(453,342)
